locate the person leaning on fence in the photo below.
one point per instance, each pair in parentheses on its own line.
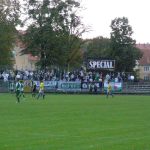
(109,90)
(41,90)
(95,88)
(11,87)
(91,87)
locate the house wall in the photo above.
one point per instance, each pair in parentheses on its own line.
(22,62)
(144,72)
(144,62)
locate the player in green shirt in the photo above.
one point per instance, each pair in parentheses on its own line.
(18,86)
(22,89)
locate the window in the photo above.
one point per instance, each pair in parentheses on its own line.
(146,68)
(146,78)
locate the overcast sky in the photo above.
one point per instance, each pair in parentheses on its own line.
(99,13)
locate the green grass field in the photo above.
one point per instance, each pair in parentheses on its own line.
(75,122)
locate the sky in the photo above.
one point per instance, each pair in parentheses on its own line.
(98,14)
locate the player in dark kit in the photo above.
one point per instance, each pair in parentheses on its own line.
(34,89)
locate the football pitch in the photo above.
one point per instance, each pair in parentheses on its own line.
(75,122)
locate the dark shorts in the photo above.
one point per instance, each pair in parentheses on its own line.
(17,92)
(34,90)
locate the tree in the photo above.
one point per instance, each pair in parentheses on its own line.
(98,48)
(54,34)
(123,46)
(9,18)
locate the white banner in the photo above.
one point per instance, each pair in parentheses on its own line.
(101,64)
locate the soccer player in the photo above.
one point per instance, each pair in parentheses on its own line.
(41,90)
(18,91)
(22,89)
(109,90)
(33,89)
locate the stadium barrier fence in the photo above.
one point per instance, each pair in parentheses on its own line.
(63,86)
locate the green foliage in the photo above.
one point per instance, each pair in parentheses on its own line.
(6,41)
(9,18)
(54,32)
(98,48)
(123,46)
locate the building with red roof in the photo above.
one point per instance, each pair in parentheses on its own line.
(144,62)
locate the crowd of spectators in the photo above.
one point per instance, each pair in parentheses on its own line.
(55,75)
